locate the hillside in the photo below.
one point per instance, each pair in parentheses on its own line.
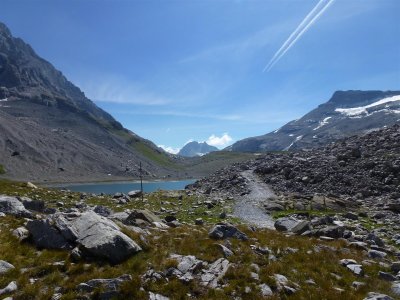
(346,113)
(50,130)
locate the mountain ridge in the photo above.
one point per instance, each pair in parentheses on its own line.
(328,122)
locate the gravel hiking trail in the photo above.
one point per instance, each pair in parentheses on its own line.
(249,207)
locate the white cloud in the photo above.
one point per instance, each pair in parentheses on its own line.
(222,141)
(116,89)
(170,113)
(169,149)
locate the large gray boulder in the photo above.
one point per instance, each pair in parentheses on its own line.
(12,206)
(286,223)
(94,235)
(223,231)
(46,234)
(301,227)
(102,238)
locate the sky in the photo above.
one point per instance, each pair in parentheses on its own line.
(207,70)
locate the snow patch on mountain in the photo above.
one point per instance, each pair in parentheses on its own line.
(323,123)
(359,111)
(296,140)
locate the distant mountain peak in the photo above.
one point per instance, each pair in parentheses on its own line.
(346,113)
(4,29)
(194,148)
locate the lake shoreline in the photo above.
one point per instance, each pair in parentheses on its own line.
(123,186)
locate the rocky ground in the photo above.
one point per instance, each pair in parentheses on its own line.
(212,241)
(174,245)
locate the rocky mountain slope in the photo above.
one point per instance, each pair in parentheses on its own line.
(346,113)
(358,167)
(49,130)
(196,149)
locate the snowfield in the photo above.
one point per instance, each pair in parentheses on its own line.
(358,111)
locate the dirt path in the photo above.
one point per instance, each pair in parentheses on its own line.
(249,207)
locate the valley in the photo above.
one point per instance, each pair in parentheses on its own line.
(310,210)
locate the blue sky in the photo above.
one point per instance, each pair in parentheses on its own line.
(173,71)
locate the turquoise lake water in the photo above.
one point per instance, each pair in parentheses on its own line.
(125,187)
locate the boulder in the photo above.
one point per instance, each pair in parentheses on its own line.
(376,254)
(36,205)
(142,214)
(95,235)
(45,234)
(265,290)
(377,296)
(135,194)
(372,237)
(395,266)
(12,206)
(223,231)
(386,276)
(272,206)
(225,250)
(356,269)
(10,288)
(102,238)
(21,233)
(329,231)
(347,261)
(301,227)
(5,267)
(103,211)
(199,221)
(187,266)
(396,288)
(31,185)
(109,287)
(286,223)
(215,272)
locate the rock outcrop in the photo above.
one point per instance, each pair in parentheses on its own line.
(94,235)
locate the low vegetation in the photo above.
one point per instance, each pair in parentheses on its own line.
(41,273)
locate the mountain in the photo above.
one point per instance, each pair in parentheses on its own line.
(49,129)
(193,149)
(346,113)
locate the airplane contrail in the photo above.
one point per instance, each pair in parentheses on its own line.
(307,22)
(294,33)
